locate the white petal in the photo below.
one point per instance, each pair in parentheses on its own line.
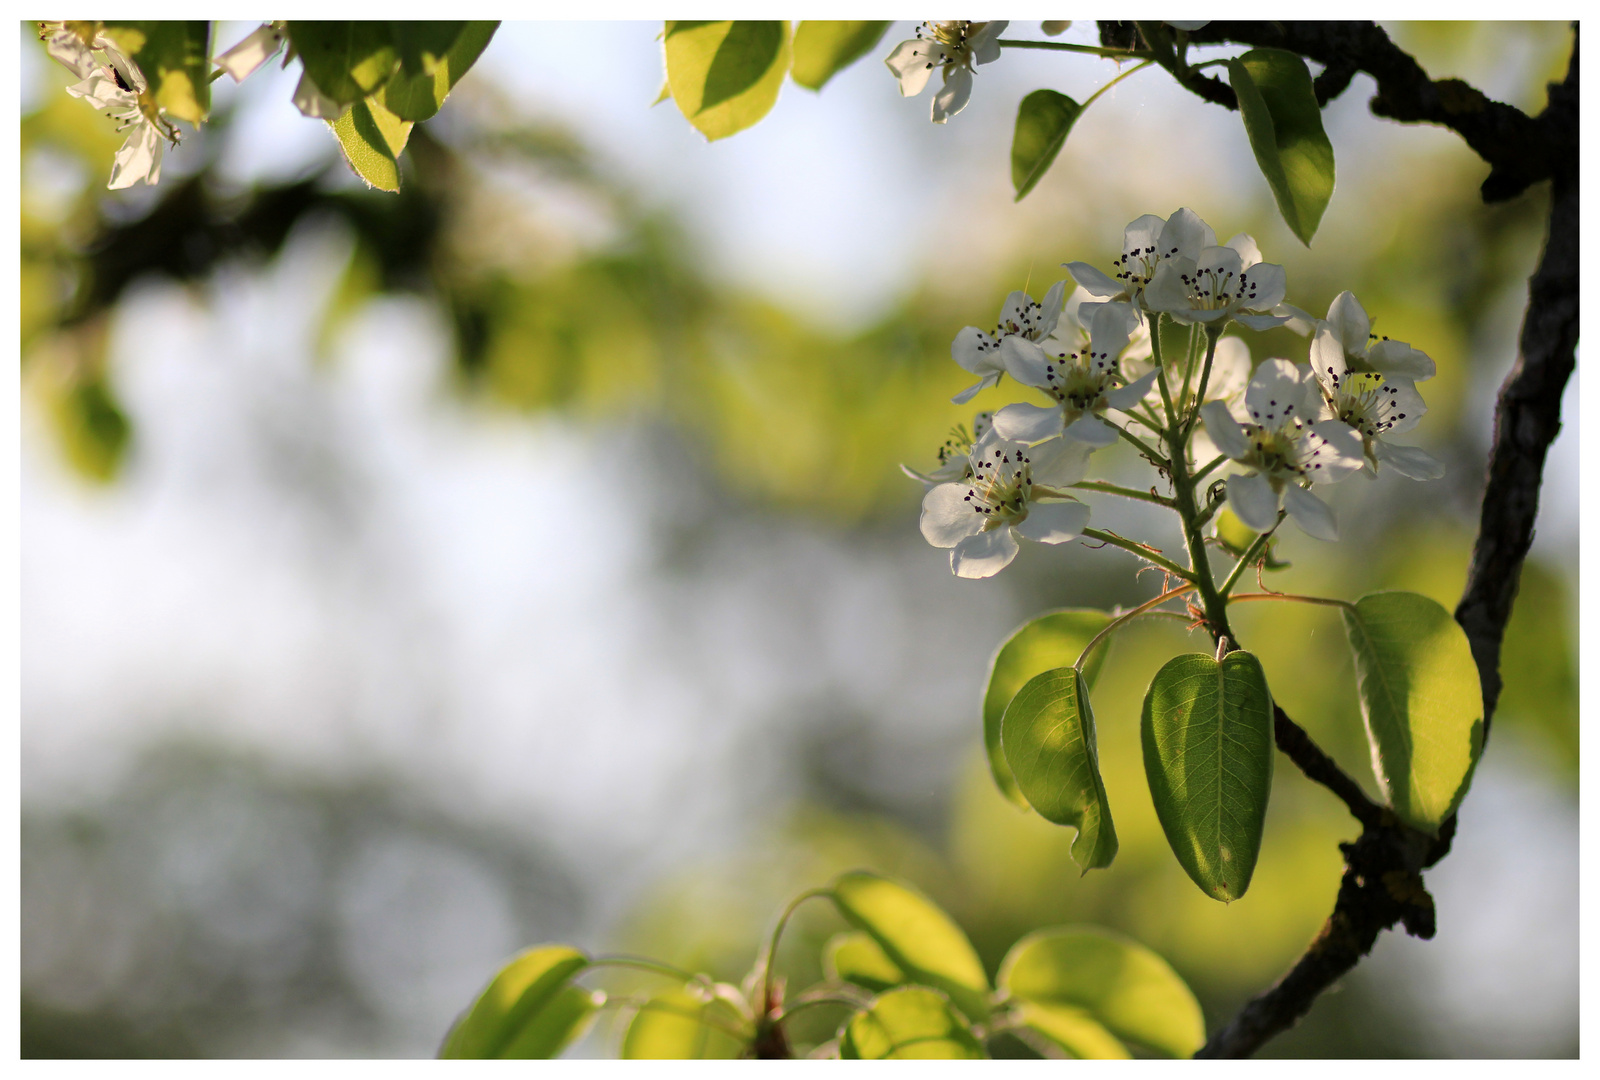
(1189,25)
(1350,322)
(1276,394)
(1185,232)
(952,96)
(1327,355)
(139,159)
(972,391)
(1260,322)
(912,62)
(1397,359)
(1023,360)
(69,50)
(1143,233)
(1027,423)
(1091,431)
(1410,461)
(948,515)
(1230,370)
(1111,326)
(313,102)
(250,53)
(1405,404)
(985,41)
(1052,310)
(1310,513)
(1253,500)
(1336,451)
(1225,430)
(1059,463)
(984,555)
(1126,397)
(1268,282)
(1301,322)
(1095,282)
(1166,291)
(1054,523)
(976,352)
(1222,261)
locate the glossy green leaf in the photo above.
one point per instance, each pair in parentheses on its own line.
(347,60)
(175,58)
(1044,120)
(421,44)
(1073,1030)
(372,138)
(1421,701)
(1121,985)
(679,1025)
(1047,734)
(531,1009)
(1050,641)
(824,48)
(855,957)
(911,1022)
(916,936)
(725,76)
(1207,733)
(417,93)
(1280,113)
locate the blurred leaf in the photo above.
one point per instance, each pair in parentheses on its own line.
(1280,113)
(530,1009)
(1050,641)
(347,60)
(916,936)
(1119,983)
(175,58)
(1043,121)
(822,49)
(418,90)
(372,137)
(1048,738)
(678,1025)
(1421,701)
(1074,1030)
(1536,661)
(855,957)
(913,1022)
(1207,734)
(1237,537)
(725,76)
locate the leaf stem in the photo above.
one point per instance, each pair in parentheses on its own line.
(1246,559)
(772,944)
(1131,71)
(1148,554)
(1210,465)
(1119,620)
(1127,493)
(1144,448)
(1329,601)
(644,963)
(1067,46)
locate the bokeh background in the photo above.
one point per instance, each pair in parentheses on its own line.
(410,579)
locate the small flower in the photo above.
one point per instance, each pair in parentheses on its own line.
(1083,383)
(955,461)
(980,518)
(1283,451)
(119,90)
(1346,337)
(256,49)
(1147,242)
(1224,283)
(1375,407)
(955,47)
(1020,317)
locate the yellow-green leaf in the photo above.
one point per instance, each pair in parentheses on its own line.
(1074,1030)
(854,956)
(175,60)
(725,76)
(912,1022)
(1047,735)
(1421,701)
(824,48)
(1279,107)
(1121,985)
(679,1025)
(1044,118)
(1050,641)
(916,936)
(431,67)
(372,138)
(531,1009)
(347,60)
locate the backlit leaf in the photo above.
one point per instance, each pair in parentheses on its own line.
(912,1022)
(418,95)
(725,76)
(679,1025)
(175,58)
(824,48)
(1073,1030)
(347,60)
(855,957)
(531,1009)
(1044,120)
(1281,117)
(372,138)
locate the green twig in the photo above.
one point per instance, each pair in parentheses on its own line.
(1329,601)
(772,944)
(1148,554)
(1135,613)
(1131,71)
(1067,46)
(1246,559)
(1127,493)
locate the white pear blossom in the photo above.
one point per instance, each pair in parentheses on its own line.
(1020,317)
(1147,243)
(119,90)
(981,518)
(955,460)
(956,47)
(1375,407)
(1283,449)
(73,45)
(1346,337)
(1083,383)
(256,49)
(1224,283)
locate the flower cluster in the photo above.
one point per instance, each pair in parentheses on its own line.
(1279,428)
(956,48)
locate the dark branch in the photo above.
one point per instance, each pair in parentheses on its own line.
(1319,767)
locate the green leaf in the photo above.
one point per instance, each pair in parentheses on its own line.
(417,93)
(530,1009)
(347,60)
(1123,986)
(912,1022)
(725,76)
(1047,734)
(420,45)
(175,58)
(822,49)
(372,138)
(916,936)
(679,1025)
(1050,641)
(855,957)
(1421,701)
(1043,120)
(1074,1030)
(1280,113)
(1207,733)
